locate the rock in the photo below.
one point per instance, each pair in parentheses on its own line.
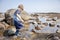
(58,31)
(52,24)
(45,24)
(39,23)
(26,25)
(25,15)
(2,26)
(5,25)
(52,37)
(58,26)
(37,28)
(54,19)
(11,29)
(41,26)
(49,19)
(58,23)
(9,16)
(33,31)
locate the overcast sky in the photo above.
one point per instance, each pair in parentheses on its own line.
(31,5)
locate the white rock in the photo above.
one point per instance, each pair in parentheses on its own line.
(58,31)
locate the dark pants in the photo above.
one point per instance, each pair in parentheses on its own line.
(18,26)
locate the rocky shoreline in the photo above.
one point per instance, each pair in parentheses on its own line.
(34,36)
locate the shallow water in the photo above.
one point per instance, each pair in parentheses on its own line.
(46,29)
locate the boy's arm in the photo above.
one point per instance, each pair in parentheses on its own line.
(20,18)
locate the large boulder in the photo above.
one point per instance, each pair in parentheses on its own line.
(10,31)
(25,15)
(9,16)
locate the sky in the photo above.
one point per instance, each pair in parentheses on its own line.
(31,5)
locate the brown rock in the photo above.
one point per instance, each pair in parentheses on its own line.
(45,24)
(37,28)
(2,26)
(9,16)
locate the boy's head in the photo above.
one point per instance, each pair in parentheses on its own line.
(21,6)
